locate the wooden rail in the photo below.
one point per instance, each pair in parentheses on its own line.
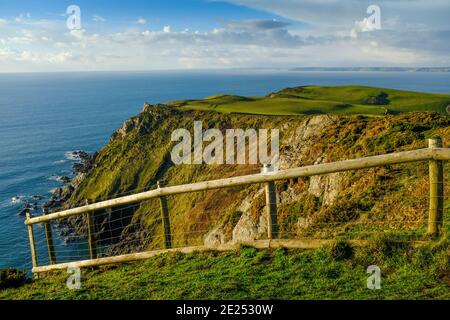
(442,154)
(434,154)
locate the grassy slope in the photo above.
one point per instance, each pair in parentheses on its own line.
(380,195)
(132,163)
(265,274)
(319,100)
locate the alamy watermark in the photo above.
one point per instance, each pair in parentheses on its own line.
(191,150)
(374,281)
(370,23)
(74,280)
(74,19)
(373,22)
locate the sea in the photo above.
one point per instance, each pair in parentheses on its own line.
(44,117)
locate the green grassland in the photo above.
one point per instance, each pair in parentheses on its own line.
(322,100)
(335,272)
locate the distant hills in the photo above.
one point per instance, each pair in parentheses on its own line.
(379,69)
(324,100)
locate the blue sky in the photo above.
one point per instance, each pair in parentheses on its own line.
(180,14)
(203,34)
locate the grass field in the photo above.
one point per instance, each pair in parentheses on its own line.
(321,100)
(337,272)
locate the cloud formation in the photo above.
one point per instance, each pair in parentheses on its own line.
(28,44)
(257,25)
(141,21)
(97,18)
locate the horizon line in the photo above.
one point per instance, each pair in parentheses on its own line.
(331,68)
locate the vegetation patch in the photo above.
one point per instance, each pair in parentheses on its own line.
(12,278)
(248,273)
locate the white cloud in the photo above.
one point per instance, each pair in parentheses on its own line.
(6,54)
(60,57)
(361,26)
(21,18)
(257,25)
(78,34)
(341,14)
(31,45)
(141,21)
(97,18)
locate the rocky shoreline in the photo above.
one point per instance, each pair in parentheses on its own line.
(39,204)
(83,164)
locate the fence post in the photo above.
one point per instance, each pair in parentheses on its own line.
(91,234)
(49,238)
(165,218)
(271,205)
(436,173)
(31,238)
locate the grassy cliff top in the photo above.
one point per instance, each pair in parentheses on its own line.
(323,100)
(336,272)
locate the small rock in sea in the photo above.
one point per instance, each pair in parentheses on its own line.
(79,154)
(36,197)
(49,204)
(83,154)
(24,211)
(16,199)
(57,192)
(78,167)
(63,179)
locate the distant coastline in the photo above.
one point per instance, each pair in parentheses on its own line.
(374,69)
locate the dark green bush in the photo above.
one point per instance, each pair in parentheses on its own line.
(341,250)
(386,248)
(12,278)
(378,100)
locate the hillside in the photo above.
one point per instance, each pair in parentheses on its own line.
(345,205)
(323,100)
(365,204)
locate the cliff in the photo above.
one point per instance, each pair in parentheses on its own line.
(337,205)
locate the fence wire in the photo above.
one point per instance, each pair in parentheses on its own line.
(371,202)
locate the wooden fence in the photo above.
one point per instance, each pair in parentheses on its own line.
(435,154)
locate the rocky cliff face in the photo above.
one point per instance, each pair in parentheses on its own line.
(138,155)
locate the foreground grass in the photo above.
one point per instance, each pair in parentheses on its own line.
(260,274)
(322,100)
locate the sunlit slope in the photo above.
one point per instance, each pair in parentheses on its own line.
(324,100)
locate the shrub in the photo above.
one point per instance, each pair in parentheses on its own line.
(386,248)
(12,278)
(341,250)
(378,100)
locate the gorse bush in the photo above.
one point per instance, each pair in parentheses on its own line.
(341,250)
(12,278)
(385,248)
(378,100)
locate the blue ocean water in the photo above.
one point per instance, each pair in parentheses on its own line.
(44,116)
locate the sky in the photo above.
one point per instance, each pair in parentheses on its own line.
(209,34)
